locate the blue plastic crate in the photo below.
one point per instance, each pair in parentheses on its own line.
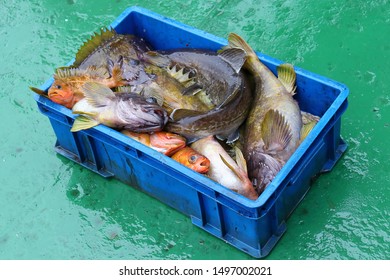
(252,226)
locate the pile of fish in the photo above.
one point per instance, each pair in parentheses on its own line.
(223,114)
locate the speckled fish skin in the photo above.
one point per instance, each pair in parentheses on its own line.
(218,76)
(108,48)
(223,121)
(272,98)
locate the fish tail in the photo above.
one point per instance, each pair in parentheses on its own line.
(39,91)
(236,41)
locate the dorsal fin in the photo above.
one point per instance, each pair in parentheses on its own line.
(306,129)
(157,59)
(275,132)
(235,57)
(240,159)
(287,76)
(229,98)
(92,44)
(124,89)
(66,72)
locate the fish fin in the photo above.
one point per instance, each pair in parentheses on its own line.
(92,44)
(236,172)
(241,162)
(231,138)
(97,94)
(192,89)
(182,76)
(115,70)
(307,117)
(39,91)
(234,56)
(305,130)
(156,59)
(66,72)
(287,76)
(178,114)
(124,89)
(236,41)
(230,98)
(275,131)
(83,122)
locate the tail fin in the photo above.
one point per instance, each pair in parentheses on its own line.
(39,91)
(236,41)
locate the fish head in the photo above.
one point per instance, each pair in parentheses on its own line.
(166,142)
(262,170)
(192,159)
(141,114)
(63,94)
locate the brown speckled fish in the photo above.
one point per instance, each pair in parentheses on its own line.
(273,126)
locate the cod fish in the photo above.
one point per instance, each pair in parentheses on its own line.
(192,159)
(164,142)
(223,169)
(273,127)
(121,110)
(217,81)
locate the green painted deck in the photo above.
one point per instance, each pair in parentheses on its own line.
(52,208)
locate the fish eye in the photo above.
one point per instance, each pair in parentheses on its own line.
(151,100)
(58,86)
(134,62)
(193,158)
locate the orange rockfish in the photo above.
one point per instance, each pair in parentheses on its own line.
(66,88)
(107,58)
(223,169)
(164,142)
(192,159)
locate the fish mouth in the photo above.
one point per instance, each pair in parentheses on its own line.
(67,100)
(202,166)
(151,119)
(263,168)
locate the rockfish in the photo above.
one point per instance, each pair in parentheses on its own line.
(121,110)
(273,127)
(216,80)
(66,88)
(107,58)
(223,169)
(164,142)
(192,159)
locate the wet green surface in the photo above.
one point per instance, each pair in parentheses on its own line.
(51,208)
